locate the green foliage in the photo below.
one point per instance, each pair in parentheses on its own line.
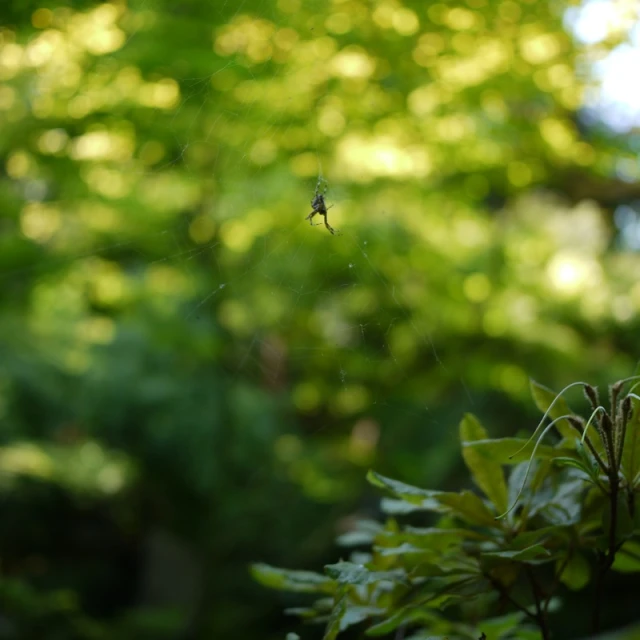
(183,356)
(574,520)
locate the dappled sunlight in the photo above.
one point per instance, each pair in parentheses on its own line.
(364,159)
(86,468)
(102,145)
(96,31)
(353,63)
(39,221)
(570,274)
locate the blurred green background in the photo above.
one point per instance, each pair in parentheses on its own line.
(192,378)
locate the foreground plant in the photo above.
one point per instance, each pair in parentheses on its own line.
(496,563)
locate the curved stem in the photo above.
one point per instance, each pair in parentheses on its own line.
(546,414)
(533,454)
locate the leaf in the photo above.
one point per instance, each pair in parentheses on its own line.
(486,470)
(465,504)
(514,451)
(335,620)
(624,521)
(544,397)
(496,628)
(631,450)
(292,636)
(364,534)
(290,580)
(405,615)
(576,464)
(553,535)
(407,492)
(628,558)
(352,573)
(357,614)
(469,507)
(404,549)
(393,507)
(576,573)
(534,552)
(431,538)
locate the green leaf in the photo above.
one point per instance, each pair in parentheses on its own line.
(576,573)
(352,573)
(469,507)
(292,636)
(514,451)
(403,549)
(543,397)
(486,470)
(393,507)
(628,558)
(534,552)
(335,620)
(554,535)
(631,450)
(407,492)
(357,614)
(290,580)
(576,464)
(465,504)
(624,522)
(364,533)
(407,614)
(496,628)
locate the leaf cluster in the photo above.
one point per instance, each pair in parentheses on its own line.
(547,518)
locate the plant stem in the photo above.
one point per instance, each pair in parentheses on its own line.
(541,615)
(607,558)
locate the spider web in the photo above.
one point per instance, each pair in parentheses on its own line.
(279,257)
(262,247)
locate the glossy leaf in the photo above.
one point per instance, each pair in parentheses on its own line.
(352,573)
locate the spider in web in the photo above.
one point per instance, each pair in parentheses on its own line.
(319,206)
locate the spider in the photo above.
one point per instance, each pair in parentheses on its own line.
(320,206)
